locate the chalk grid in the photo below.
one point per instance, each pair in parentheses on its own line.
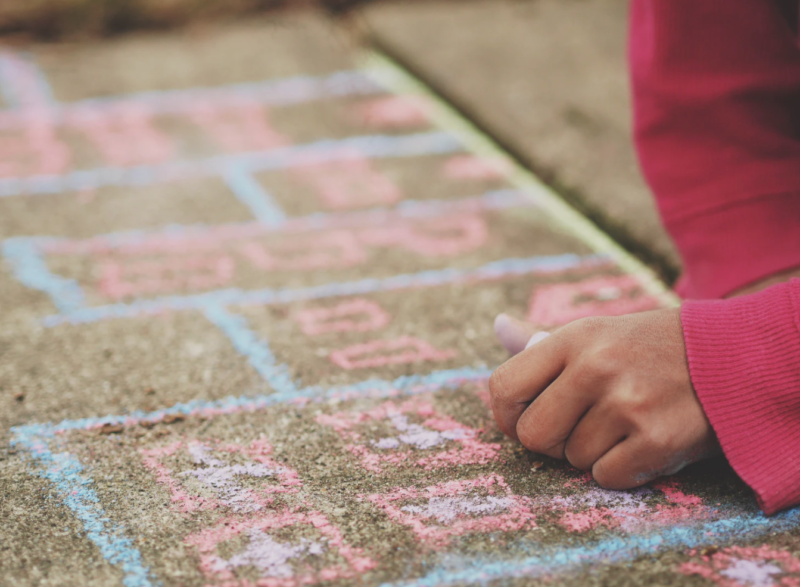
(490,506)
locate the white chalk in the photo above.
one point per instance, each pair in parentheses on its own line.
(538,337)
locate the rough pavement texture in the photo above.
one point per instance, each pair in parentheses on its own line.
(247,297)
(548,78)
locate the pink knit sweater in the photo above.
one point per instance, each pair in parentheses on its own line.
(716,87)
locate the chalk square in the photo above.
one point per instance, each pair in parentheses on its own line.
(613,295)
(409,434)
(438,513)
(345,339)
(122,366)
(287,548)
(304,252)
(93,212)
(354,183)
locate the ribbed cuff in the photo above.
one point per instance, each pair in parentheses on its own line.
(728,247)
(744,360)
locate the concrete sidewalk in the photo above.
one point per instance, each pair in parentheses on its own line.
(548,79)
(248,286)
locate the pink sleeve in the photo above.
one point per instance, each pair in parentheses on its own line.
(744,359)
(716,87)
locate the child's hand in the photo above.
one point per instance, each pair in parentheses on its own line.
(611,395)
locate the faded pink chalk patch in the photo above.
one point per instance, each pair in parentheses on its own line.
(356,315)
(237,125)
(398,351)
(220,478)
(279,564)
(588,520)
(554,305)
(138,277)
(475,168)
(35,151)
(351,182)
(125,136)
(454,508)
(439,237)
(393,112)
(737,566)
(630,511)
(174,262)
(410,442)
(327,250)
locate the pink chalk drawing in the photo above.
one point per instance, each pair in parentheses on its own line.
(177,263)
(119,279)
(439,237)
(355,315)
(351,182)
(236,125)
(327,250)
(213,482)
(124,137)
(277,563)
(554,305)
(738,566)
(397,351)
(474,167)
(37,151)
(633,511)
(438,513)
(437,442)
(394,112)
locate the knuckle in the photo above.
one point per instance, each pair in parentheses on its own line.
(577,457)
(604,363)
(535,442)
(610,477)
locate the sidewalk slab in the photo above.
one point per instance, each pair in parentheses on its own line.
(548,79)
(283,381)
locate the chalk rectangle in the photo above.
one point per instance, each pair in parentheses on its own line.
(454,235)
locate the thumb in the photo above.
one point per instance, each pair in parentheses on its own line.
(514,334)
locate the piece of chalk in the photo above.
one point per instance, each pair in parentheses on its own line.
(538,337)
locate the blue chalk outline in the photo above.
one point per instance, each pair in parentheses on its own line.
(64,471)
(11,94)
(25,255)
(252,194)
(226,297)
(30,268)
(370,146)
(75,487)
(271,92)
(256,350)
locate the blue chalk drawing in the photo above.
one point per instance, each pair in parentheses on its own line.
(225,297)
(274,92)
(74,486)
(252,194)
(257,350)
(29,267)
(36,93)
(371,146)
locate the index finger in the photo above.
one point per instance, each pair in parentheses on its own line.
(520,380)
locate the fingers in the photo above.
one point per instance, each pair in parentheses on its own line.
(629,464)
(521,379)
(512,333)
(546,423)
(596,434)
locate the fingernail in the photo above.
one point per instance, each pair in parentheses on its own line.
(511,333)
(538,337)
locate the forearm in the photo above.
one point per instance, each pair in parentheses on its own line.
(716,88)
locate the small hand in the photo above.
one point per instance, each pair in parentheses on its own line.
(611,395)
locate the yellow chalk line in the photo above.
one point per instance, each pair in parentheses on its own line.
(397,80)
